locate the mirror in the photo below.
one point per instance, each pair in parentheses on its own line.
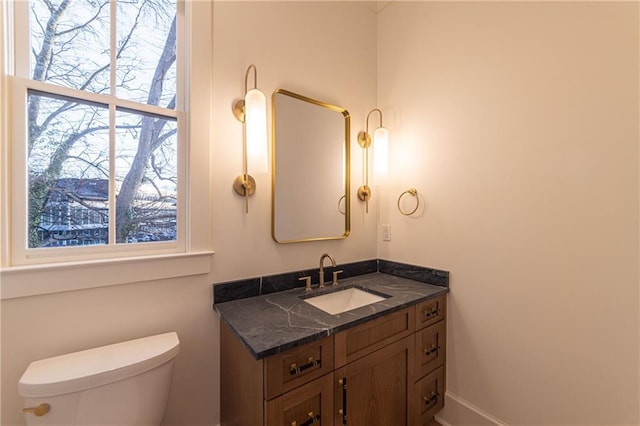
(310,169)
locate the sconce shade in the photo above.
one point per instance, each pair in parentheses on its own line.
(380,156)
(256,121)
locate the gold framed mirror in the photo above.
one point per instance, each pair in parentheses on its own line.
(310,169)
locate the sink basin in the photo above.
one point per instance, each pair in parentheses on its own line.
(343,300)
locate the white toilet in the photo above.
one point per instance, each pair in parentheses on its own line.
(116,385)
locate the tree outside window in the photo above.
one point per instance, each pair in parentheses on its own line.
(102,158)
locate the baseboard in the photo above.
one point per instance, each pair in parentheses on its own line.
(459,412)
(441,420)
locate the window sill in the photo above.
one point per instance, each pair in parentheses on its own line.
(22,281)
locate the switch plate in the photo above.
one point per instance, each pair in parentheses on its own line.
(386,232)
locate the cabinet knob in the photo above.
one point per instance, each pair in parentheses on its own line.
(38,411)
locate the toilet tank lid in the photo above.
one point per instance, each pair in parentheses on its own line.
(98,366)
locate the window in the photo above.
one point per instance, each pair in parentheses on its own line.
(99,130)
(87,254)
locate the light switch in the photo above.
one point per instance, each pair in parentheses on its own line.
(386,232)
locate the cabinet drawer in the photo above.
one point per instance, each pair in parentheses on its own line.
(430,312)
(297,366)
(363,339)
(310,404)
(431,344)
(428,397)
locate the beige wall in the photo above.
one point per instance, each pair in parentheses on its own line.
(518,122)
(326,51)
(323,50)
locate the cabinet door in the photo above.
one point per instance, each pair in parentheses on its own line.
(374,390)
(310,404)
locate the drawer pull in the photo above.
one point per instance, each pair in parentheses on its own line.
(433,312)
(311,362)
(432,349)
(431,399)
(312,420)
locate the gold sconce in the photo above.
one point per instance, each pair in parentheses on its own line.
(251,111)
(380,144)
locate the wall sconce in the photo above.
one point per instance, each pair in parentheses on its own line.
(252,113)
(380,157)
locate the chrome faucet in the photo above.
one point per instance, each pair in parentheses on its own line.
(322,258)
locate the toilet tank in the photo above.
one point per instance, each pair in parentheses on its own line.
(121,384)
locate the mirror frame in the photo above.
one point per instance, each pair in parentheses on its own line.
(347,167)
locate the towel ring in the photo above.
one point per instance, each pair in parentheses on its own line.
(414,193)
(343,212)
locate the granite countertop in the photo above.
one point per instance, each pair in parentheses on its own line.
(274,322)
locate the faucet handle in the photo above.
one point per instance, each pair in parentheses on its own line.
(335,276)
(307,286)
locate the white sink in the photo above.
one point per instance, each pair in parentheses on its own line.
(343,300)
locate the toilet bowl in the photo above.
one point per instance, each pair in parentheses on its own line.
(116,385)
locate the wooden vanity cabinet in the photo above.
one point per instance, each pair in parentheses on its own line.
(385,372)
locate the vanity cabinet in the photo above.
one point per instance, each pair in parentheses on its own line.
(387,371)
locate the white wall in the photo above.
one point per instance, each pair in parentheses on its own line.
(518,123)
(323,50)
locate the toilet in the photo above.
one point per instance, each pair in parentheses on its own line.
(116,385)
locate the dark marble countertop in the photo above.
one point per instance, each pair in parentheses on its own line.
(274,322)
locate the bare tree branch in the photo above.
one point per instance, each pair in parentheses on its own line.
(86,24)
(62,134)
(150,128)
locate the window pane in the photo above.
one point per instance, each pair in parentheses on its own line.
(68,160)
(72,180)
(70,43)
(146,40)
(146,177)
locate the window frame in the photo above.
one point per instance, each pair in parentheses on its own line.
(188,255)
